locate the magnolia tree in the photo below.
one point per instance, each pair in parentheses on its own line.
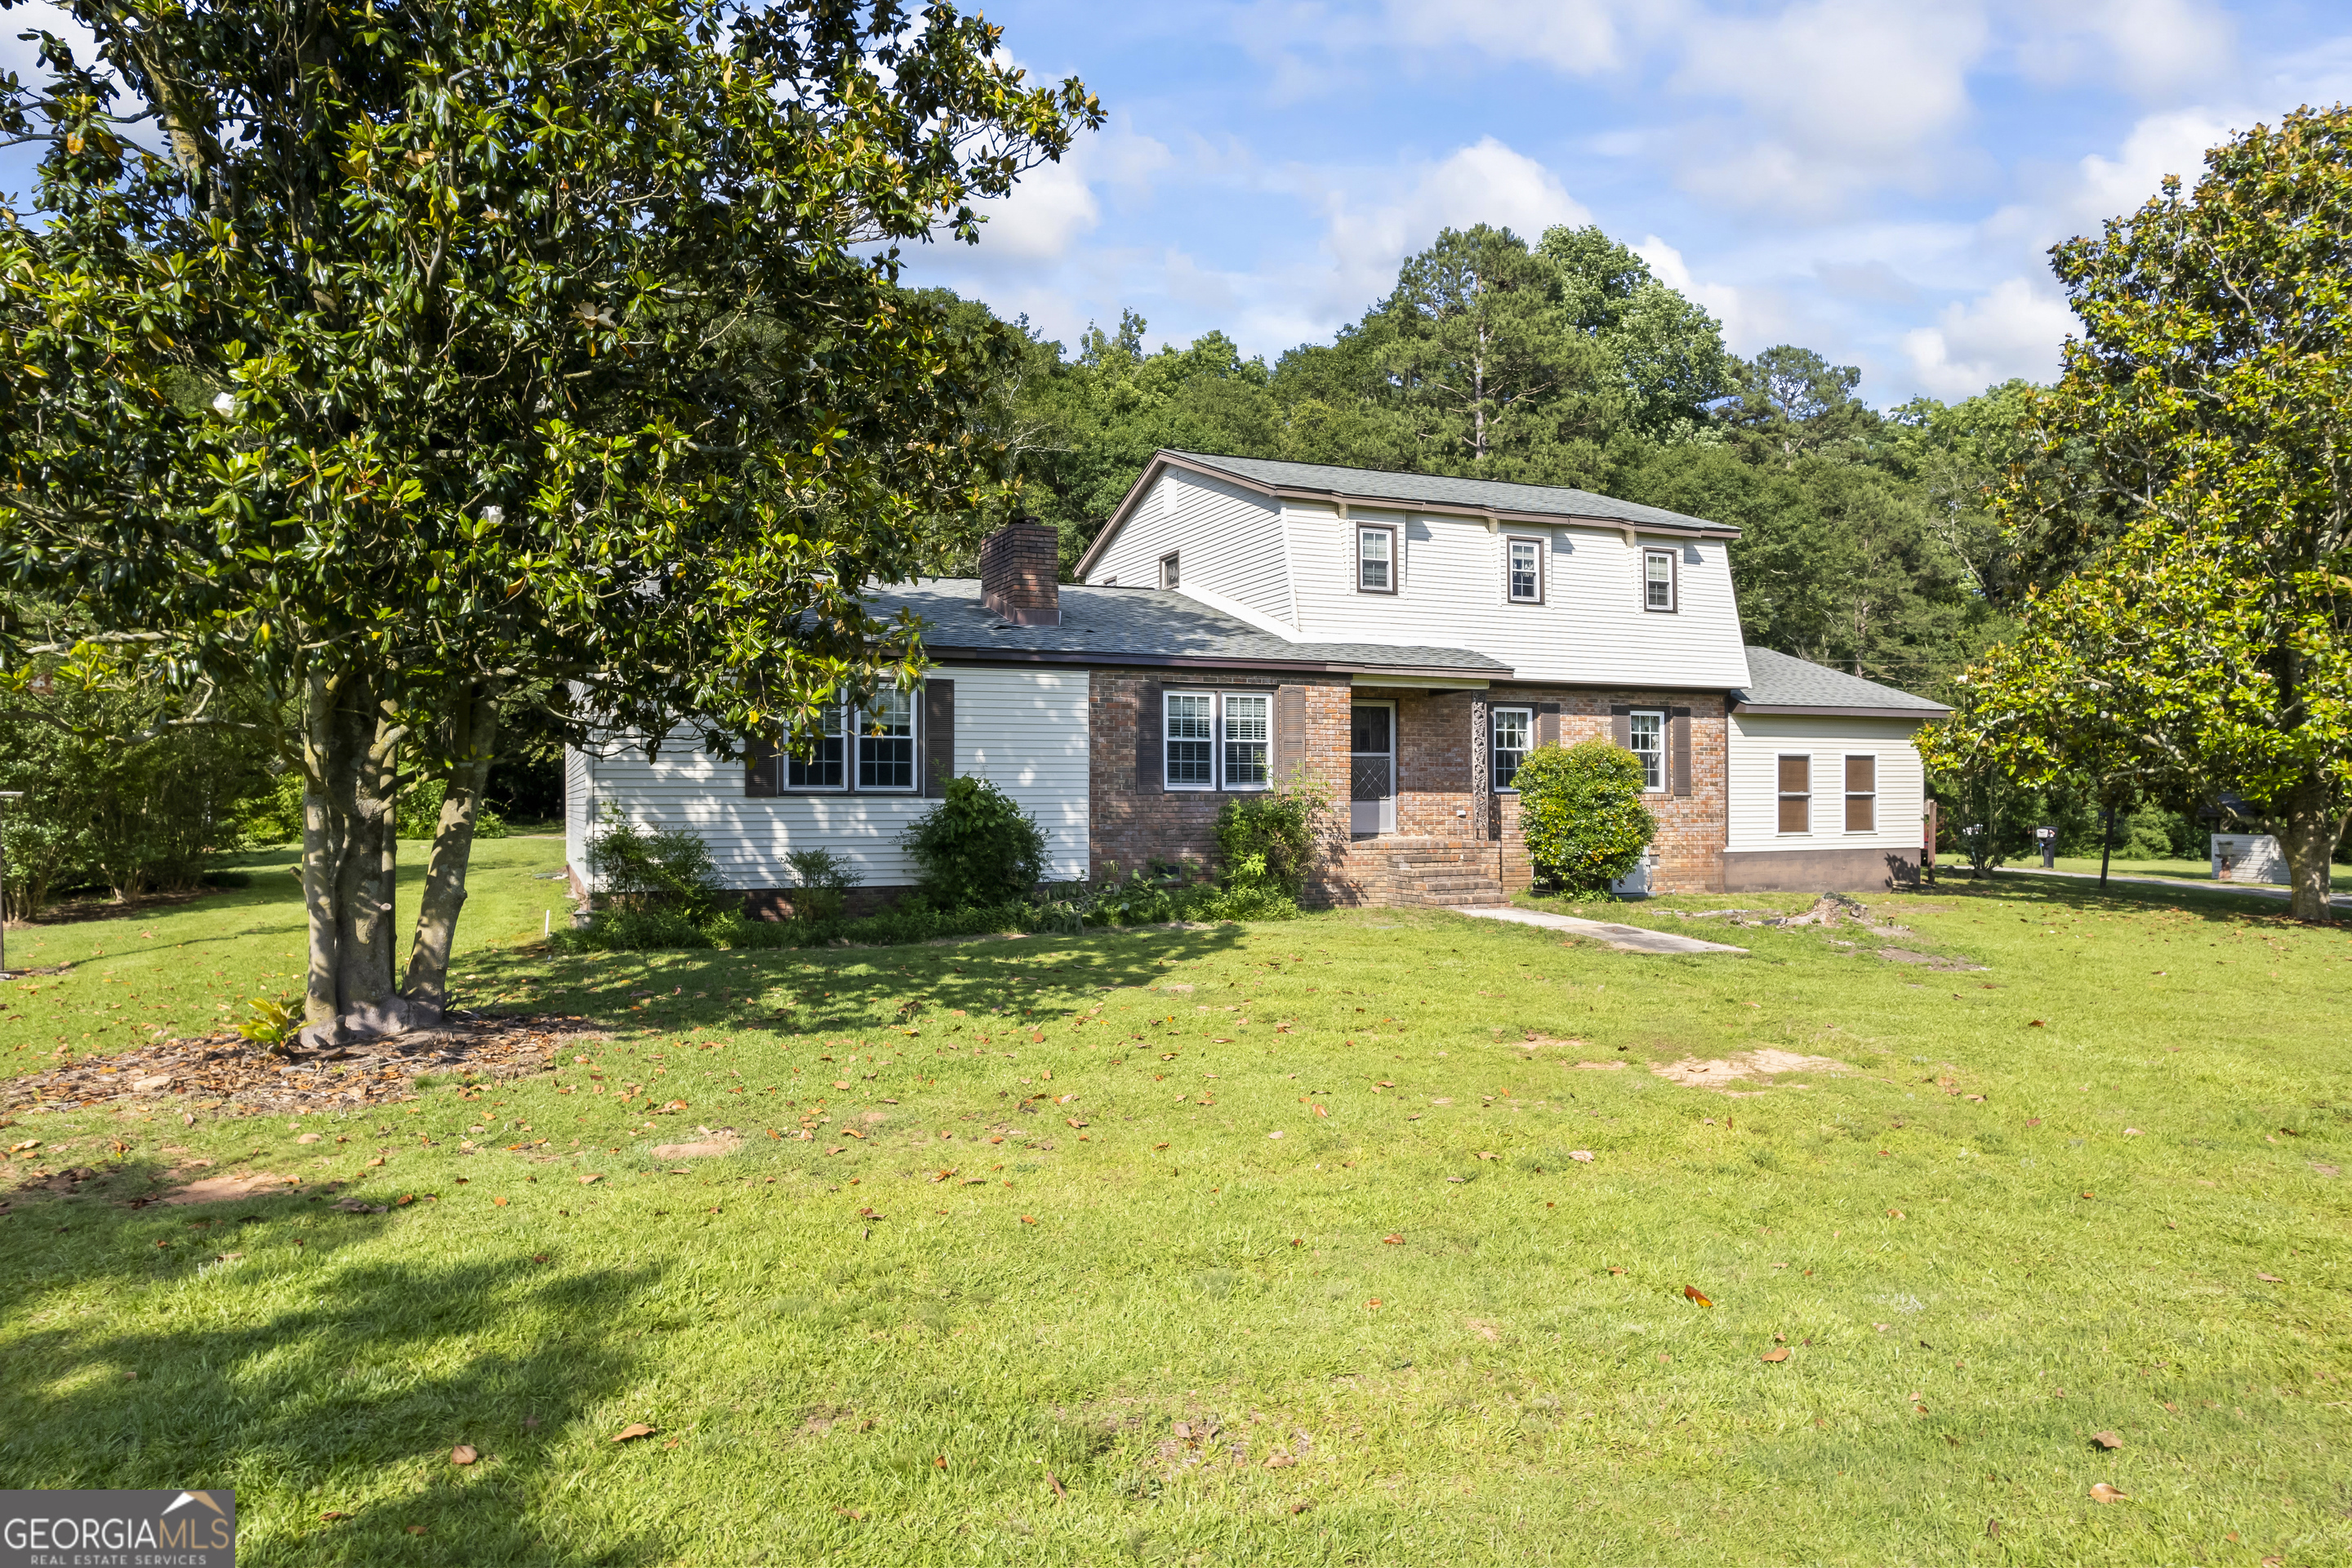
(2193,510)
(389,357)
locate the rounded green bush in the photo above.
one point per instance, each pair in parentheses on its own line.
(1581,811)
(977,846)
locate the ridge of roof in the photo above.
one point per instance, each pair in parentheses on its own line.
(1445,490)
(1781,680)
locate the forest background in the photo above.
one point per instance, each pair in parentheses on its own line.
(1867,539)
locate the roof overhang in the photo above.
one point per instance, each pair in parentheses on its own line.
(1341,500)
(1916,715)
(1398,675)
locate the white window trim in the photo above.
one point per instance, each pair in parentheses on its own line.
(1674,559)
(1851,795)
(1216,785)
(1780,794)
(1171,572)
(1541,570)
(1494,772)
(1666,763)
(1360,528)
(852,731)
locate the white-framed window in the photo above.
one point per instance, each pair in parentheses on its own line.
(821,769)
(1191,739)
(1248,728)
(1217,739)
(1375,563)
(1658,585)
(1515,737)
(885,742)
(1523,570)
(1647,735)
(1862,794)
(1168,572)
(1795,782)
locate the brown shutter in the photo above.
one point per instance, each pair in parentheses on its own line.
(1289,733)
(1621,728)
(1679,758)
(1151,758)
(761,767)
(1547,724)
(938,736)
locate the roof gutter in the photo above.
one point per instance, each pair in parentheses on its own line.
(1816,711)
(1418,674)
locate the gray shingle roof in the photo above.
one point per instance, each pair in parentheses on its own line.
(1556,501)
(1780,681)
(1148,624)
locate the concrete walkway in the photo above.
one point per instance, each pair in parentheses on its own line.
(2259,890)
(1625,939)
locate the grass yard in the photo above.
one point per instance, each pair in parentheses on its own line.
(1265,1245)
(2186,870)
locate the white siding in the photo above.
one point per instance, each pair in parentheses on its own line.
(1228,540)
(1591,627)
(1760,739)
(1025,731)
(578,798)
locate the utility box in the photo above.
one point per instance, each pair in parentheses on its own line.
(2248,857)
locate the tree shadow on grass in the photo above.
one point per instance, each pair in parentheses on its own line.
(320,1378)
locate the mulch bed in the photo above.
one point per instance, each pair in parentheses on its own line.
(232,1076)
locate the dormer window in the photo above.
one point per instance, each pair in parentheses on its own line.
(1658,580)
(1524,570)
(1168,571)
(1375,559)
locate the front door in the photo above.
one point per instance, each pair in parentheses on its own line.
(1371,769)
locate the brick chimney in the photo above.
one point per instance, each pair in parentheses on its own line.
(1020,573)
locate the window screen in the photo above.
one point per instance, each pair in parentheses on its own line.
(1796,794)
(1514,737)
(822,768)
(1861,795)
(1648,738)
(1658,580)
(1375,559)
(885,742)
(1246,733)
(1527,572)
(1191,739)
(1169,576)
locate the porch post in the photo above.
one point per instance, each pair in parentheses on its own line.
(1482,794)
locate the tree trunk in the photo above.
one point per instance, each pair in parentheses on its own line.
(2106,848)
(2310,824)
(350,853)
(474,725)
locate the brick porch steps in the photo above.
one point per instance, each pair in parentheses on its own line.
(1441,872)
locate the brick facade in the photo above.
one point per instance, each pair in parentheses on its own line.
(1435,812)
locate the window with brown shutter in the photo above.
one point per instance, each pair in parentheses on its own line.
(938,736)
(1796,794)
(1862,794)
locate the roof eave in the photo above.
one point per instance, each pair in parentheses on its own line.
(1825,711)
(949,652)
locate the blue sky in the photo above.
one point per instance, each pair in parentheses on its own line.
(1876,179)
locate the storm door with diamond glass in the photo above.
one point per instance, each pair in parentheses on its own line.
(1371,767)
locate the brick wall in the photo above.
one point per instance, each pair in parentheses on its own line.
(1692,828)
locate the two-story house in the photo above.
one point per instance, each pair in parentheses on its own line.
(1399,640)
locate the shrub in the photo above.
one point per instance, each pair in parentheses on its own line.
(654,869)
(420,812)
(977,846)
(821,885)
(1268,842)
(1581,810)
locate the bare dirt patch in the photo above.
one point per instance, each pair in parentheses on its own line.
(1753,1066)
(230,1188)
(1597,1067)
(705,1149)
(223,1073)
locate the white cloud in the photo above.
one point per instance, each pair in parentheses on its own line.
(1484,183)
(1582,37)
(1055,206)
(2096,187)
(1752,319)
(2152,47)
(2014,329)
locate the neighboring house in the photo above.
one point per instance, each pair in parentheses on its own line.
(1400,640)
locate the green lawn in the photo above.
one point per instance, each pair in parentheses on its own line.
(2189,870)
(1476,1346)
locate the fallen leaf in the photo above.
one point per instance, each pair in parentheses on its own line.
(1392,1241)
(1893,1214)
(2107,1440)
(1693,1293)
(2269,1278)
(332,1514)
(463,1454)
(1615,1269)
(1319,1111)
(1583,1155)
(1486,1153)
(1054,1481)
(1278,1460)
(415,1529)
(2134,1133)
(2102,1492)
(584,1181)
(500,1203)
(2037,1024)
(1780,1354)
(634,1429)
(1374,1302)
(1026,1220)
